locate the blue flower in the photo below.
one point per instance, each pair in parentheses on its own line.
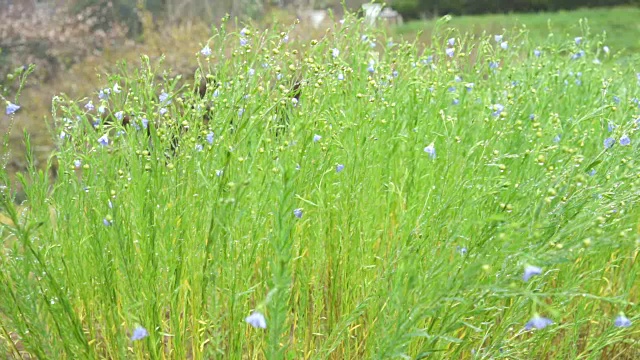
(616,100)
(611,126)
(530,271)
(206,51)
(145,122)
(139,333)
(592,172)
(164,98)
(557,138)
(493,64)
(622,321)
(77,164)
(537,53)
(608,142)
(462,250)
(11,108)
(431,150)
(497,109)
(256,320)
(243,42)
(532,116)
(106,222)
(578,40)
(450,52)
(240,112)
(116,88)
(163,111)
(317,138)
(469,86)
(504,45)
(339,168)
(455,102)
(244,31)
(395,73)
(104,140)
(89,106)
(104,94)
(340,77)
(219,173)
(252,72)
(497,38)
(335,52)
(198,147)
(577,55)
(624,140)
(538,323)
(210,138)
(119,115)
(298,213)
(371,69)
(451,41)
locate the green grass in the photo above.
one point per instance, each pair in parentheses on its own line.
(404,253)
(620,25)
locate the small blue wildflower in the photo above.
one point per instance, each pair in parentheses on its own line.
(457,78)
(390,43)
(504,45)
(608,142)
(116,88)
(494,64)
(219,173)
(557,138)
(578,82)
(530,271)
(431,150)
(63,135)
(77,163)
(578,40)
(450,52)
(469,86)
(104,94)
(199,147)
(622,321)
(243,42)
(624,140)
(497,38)
(106,222)
(252,72)
(339,168)
(335,52)
(371,69)
(372,44)
(145,123)
(164,98)
(317,138)
(240,112)
(103,140)
(210,138)
(163,111)
(298,213)
(497,109)
(256,320)
(110,204)
(462,250)
(537,53)
(119,115)
(538,323)
(244,31)
(455,102)
(364,38)
(340,77)
(451,41)
(611,126)
(139,333)
(616,99)
(451,89)
(395,73)
(89,106)
(216,93)
(577,55)
(429,60)
(206,51)
(592,172)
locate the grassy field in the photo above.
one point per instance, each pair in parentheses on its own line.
(620,25)
(407,204)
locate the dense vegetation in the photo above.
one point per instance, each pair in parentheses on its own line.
(475,199)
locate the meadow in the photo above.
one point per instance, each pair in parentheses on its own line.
(472,199)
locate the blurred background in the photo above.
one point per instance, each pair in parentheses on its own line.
(72,42)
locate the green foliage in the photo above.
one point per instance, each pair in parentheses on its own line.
(459,170)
